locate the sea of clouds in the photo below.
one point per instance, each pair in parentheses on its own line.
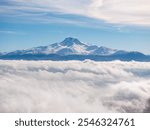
(74,86)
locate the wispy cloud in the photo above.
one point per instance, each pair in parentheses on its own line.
(128,12)
(7,32)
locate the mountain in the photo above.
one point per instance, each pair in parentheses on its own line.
(73,49)
(69,46)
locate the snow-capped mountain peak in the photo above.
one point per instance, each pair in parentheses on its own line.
(70,42)
(72,49)
(69,46)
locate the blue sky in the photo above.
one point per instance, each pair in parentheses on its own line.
(119,24)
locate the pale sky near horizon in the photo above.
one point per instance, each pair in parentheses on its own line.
(118,24)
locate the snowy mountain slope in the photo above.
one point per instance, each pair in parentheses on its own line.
(103,51)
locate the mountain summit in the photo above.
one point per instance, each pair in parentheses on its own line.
(70,41)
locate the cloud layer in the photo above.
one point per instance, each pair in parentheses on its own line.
(74,86)
(130,12)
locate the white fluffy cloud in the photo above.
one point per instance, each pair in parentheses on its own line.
(132,12)
(74,86)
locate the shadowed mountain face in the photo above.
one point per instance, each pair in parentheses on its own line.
(73,49)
